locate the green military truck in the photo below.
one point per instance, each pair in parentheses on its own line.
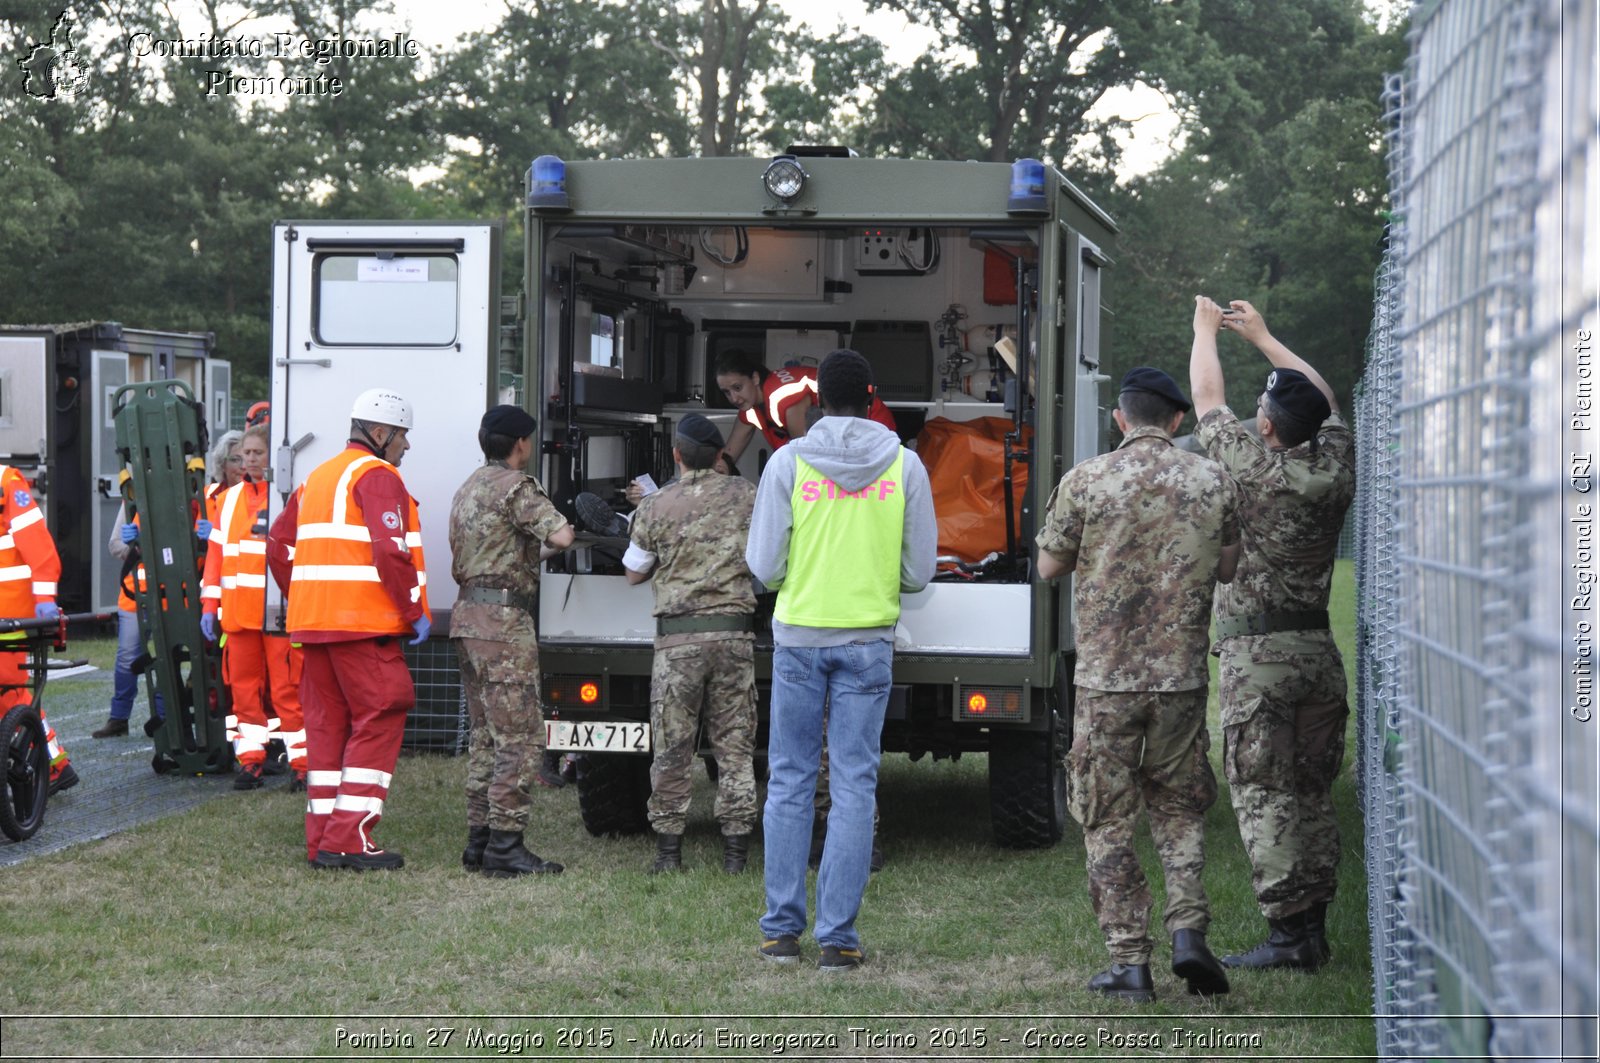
(974,289)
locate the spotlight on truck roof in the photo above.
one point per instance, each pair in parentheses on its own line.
(784,178)
(547,184)
(1027,189)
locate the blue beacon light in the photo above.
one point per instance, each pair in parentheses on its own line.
(1027,188)
(547,184)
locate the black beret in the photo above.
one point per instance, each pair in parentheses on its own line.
(511,421)
(698,429)
(1144,378)
(1294,393)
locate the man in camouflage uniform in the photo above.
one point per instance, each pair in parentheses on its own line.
(498,520)
(1149,530)
(691,537)
(1282,679)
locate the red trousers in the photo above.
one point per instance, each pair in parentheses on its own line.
(355,696)
(258,667)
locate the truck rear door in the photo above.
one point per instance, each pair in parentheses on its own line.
(412,306)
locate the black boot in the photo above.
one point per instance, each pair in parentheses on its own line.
(477,842)
(1193,962)
(1286,946)
(1316,924)
(669,853)
(114,728)
(1126,981)
(506,857)
(735,852)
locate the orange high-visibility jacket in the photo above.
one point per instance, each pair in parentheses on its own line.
(335,584)
(235,583)
(29,565)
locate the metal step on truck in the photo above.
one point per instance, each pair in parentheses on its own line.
(973,289)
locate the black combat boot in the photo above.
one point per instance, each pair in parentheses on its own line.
(1316,924)
(1126,981)
(669,853)
(735,852)
(477,842)
(1193,962)
(1286,946)
(506,857)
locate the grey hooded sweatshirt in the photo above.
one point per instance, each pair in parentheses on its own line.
(852,452)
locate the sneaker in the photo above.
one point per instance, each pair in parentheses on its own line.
(249,777)
(377,860)
(113,728)
(785,948)
(598,517)
(838,958)
(65,779)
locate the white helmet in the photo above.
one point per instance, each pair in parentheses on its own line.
(382,406)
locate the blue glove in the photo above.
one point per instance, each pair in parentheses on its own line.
(422,625)
(208,626)
(202,528)
(130,533)
(46,611)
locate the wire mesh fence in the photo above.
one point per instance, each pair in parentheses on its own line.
(1478,788)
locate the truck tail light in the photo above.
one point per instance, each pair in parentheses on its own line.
(568,691)
(1001,704)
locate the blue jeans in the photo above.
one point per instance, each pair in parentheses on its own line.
(125,685)
(853,680)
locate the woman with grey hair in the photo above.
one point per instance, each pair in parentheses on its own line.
(223,464)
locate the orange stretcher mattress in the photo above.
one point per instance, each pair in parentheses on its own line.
(966,468)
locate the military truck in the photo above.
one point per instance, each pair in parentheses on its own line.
(973,289)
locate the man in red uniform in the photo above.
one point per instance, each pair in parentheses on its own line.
(775,401)
(29,571)
(347,549)
(255,663)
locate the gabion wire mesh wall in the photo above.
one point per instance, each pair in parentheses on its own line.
(1479,786)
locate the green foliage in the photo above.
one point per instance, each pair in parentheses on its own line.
(149,201)
(1275,198)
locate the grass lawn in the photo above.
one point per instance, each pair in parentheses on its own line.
(205,935)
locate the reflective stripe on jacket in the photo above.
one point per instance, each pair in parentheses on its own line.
(335,584)
(29,565)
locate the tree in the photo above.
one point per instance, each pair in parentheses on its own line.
(1013,78)
(1277,195)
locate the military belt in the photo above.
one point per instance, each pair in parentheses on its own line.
(683,625)
(498,596)
(1267,623)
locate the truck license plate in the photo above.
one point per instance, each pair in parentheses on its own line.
(569,735)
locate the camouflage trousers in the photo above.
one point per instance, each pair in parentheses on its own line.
(710,679)
(1133,749)
(501,683)
(1283,720)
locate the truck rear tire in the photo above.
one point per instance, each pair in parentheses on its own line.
(1028,786)
(612,793)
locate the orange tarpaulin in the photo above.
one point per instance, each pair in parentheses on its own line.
(966,468)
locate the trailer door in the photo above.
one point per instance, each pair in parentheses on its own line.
(108,372)
(404,305)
